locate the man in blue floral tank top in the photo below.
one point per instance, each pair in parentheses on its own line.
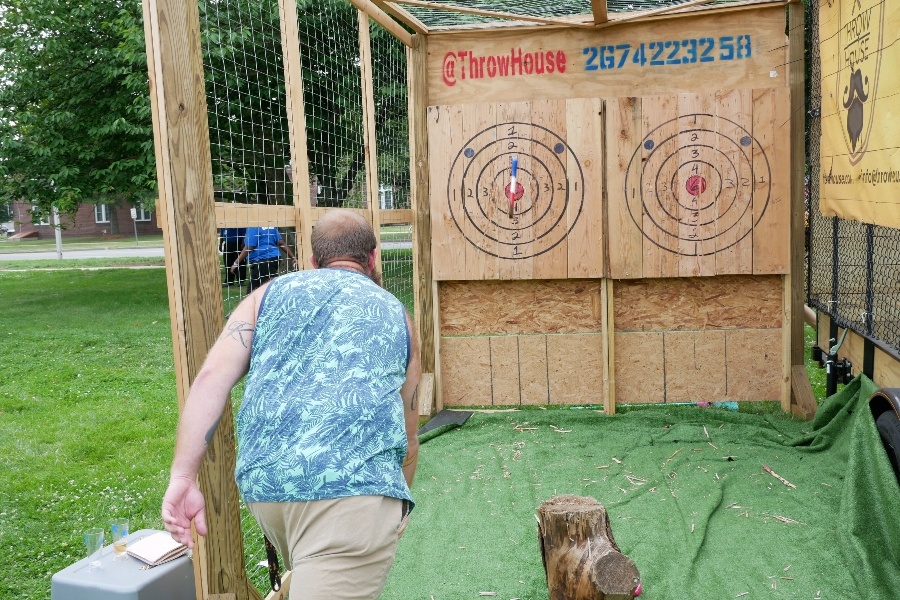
(326,430)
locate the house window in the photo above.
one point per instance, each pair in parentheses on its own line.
(141,214)
(38,216)
(386,197)
(101,213)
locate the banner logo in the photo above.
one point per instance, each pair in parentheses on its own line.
(859,58)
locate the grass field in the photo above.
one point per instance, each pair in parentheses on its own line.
(88,412)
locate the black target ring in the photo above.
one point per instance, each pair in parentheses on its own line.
(700,190)
(553,190)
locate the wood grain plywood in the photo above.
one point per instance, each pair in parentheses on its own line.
(694,177)
(478,182)
(624,129)
(575,365)
(505,370)
(533,369)
(519,307)
(648,191)
(551,114)
(639,368)
(505,66)
(753,364)
(466,371)
(695,366)
(448,246)
(701,182)
(730,302)
(772,129)
(733,107)
(584,134)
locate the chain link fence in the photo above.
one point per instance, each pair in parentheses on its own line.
(853,269)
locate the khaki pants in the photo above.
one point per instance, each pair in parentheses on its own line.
(339,549)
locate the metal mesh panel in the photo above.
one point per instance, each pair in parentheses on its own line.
(392,151)
(250,145)
(853,269)
(332,95)
(433,17)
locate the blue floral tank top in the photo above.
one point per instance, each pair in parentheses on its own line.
(321,415)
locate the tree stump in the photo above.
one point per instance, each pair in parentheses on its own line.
(581,559)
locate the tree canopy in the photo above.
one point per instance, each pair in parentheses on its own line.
(75,123)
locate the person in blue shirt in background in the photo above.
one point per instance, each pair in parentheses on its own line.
(231,239)
(262,247)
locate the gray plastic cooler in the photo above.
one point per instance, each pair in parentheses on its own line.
(124,580)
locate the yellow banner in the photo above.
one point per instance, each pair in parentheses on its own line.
(860,110)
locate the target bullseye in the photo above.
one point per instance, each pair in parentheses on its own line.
(695,185)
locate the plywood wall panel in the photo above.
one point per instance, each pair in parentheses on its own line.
(466,371)
(575,366)
(585,220)
(705,183)
(505,370)
(771,127)
(519,307)
(552,115)
(753,363)
(448,246)
(624,129)
(639,368)
(734,255)
(693,161)
(698,303)
(463,67)
(695,366)
(533,369)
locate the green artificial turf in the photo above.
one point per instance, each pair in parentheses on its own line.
(687,493)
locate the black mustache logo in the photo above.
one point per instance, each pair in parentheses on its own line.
(855,95)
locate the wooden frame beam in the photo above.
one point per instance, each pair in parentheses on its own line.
(186,208)
(412,22)
(598,8)
(492,13)
(384,19)
(296,114)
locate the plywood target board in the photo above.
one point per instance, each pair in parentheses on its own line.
(699,184)
(549,225)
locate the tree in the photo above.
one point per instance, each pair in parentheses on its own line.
(75,122)
(245,89)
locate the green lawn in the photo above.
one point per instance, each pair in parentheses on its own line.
(88,412)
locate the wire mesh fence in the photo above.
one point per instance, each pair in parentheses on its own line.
(853,268)
(250,143)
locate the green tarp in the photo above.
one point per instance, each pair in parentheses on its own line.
(689,498)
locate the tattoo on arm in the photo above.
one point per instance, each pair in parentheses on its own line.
(212,431)
(415,398)
(240,331)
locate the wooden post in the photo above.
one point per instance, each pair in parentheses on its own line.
(581,559)
(187,211)
(293,88)
(421,199)
(796,79)
(368,105)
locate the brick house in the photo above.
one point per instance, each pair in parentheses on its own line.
(100,220)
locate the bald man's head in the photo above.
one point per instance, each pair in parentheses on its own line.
(342,234)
